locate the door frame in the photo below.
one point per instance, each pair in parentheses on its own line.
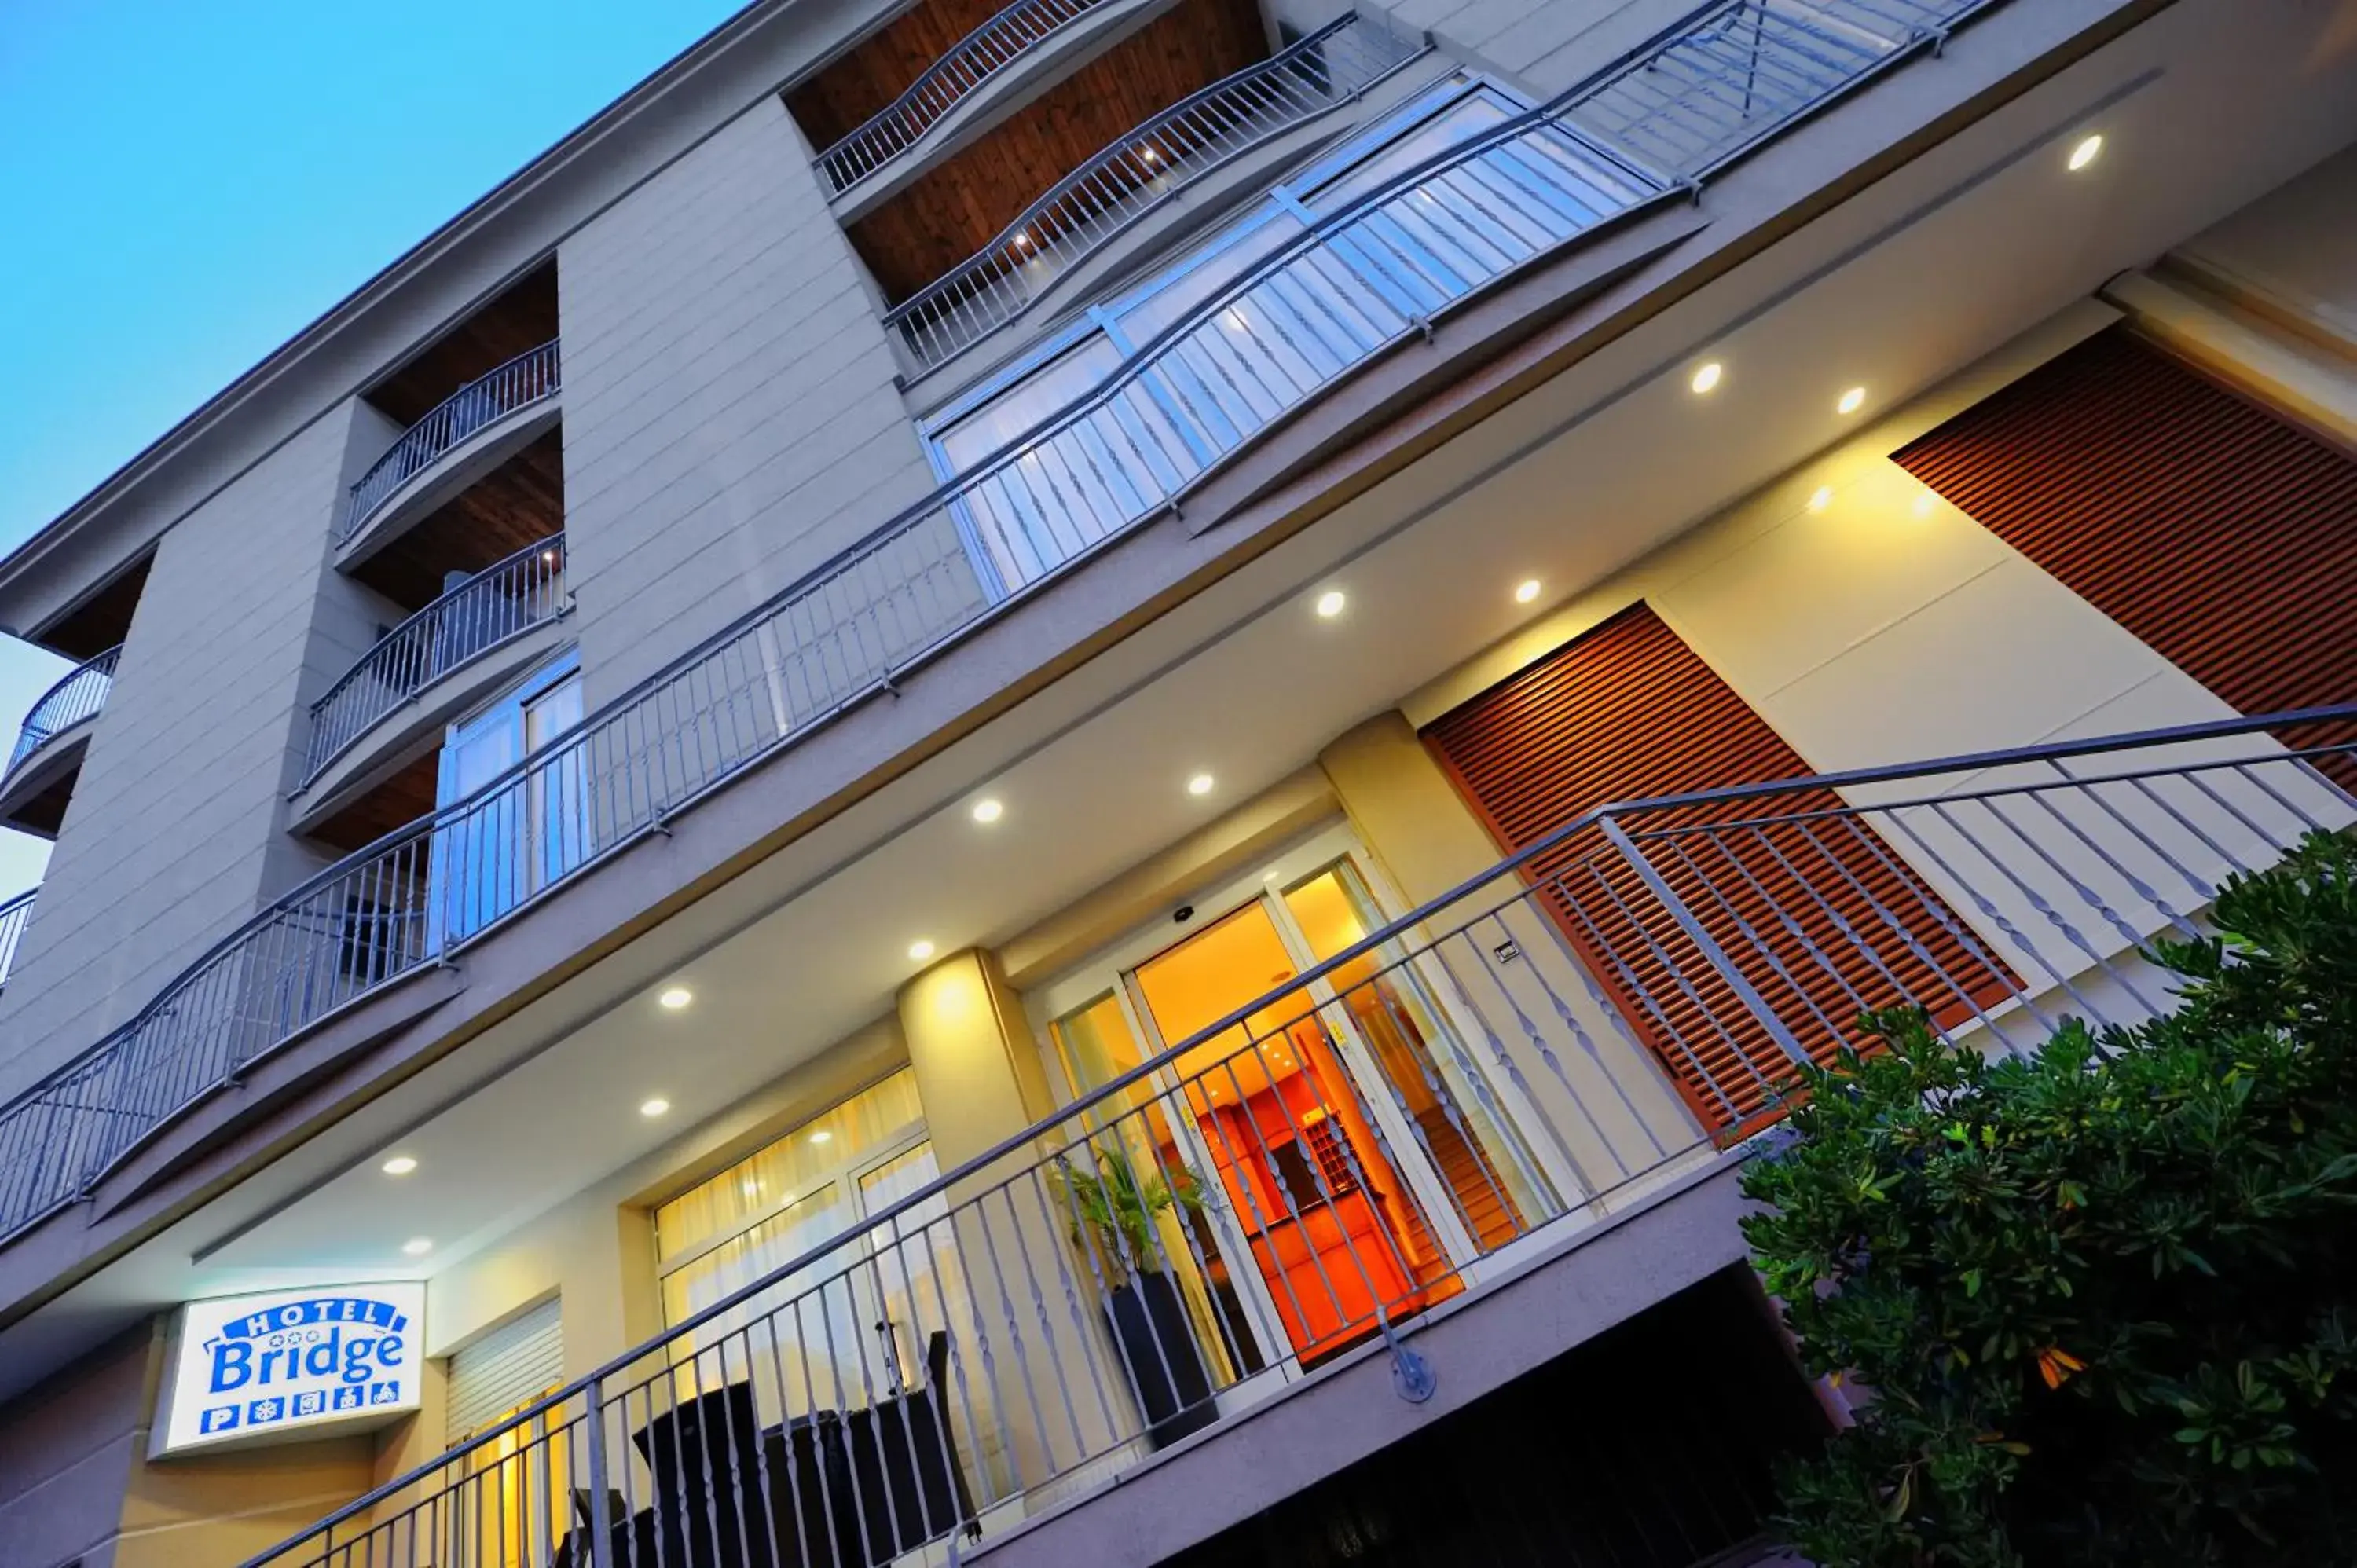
(1111,969)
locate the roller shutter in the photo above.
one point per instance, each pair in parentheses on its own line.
(2223,537)
(1628,712)
(511,1366)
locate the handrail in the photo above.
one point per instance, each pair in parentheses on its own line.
(895,599)
(528,378)
(502,601)
(1139,171)
(77,695)
(971,61)
(13,914)
(1447,944)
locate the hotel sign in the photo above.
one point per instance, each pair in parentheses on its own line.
(293,1363)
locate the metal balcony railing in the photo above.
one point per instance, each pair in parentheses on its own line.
(530,377)
(847,629)
(1136,174)
(1523,1022)
(499,602)
(77,696)
(13,916)
(949,81)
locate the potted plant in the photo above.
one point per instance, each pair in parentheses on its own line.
(1114,1211)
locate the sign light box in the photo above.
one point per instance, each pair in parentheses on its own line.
(249,1369)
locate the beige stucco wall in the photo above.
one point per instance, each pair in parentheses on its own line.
(2293,251)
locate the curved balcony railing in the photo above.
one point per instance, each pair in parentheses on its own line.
(949,81)
(1343,290)
(74,699)
(13,916)
(528,378)
(1138,173)
(499,602)
(1541,1012)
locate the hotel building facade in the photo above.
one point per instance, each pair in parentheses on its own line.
(1064,785)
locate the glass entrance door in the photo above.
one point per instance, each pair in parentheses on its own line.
(1356,1159)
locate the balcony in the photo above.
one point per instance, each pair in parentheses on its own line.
(482,631)
(977,68)
(47,754)
(1378,270)
(1535,1017)
(1140,173)
(467,433)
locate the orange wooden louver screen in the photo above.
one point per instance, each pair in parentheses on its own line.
(2223,537)
(1627,711)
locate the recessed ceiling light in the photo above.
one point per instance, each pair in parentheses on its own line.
(988,810)
(1200,784)
(1331,603)
(655,1107)
(1707,376)
(822,1136)
(2088,150)
(921,949)
(1821,498)
(1924,501)
(1851,401)
(676,997)
(400,1165)
(418,1246)
(1526,590)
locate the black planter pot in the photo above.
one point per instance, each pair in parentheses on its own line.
(1158,1345)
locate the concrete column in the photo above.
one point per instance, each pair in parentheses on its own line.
(1032,1358)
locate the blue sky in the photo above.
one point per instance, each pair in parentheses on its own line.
(190,181)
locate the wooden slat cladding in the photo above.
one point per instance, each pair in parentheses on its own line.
(519,502)
(2221,536)
(521,319)
(882,66)
(1809,918)
(956,209)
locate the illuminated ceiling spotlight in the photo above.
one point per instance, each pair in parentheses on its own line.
(1851,401)
(2089,149)
(1707,378)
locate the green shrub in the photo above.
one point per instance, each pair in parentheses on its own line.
(2102,1297)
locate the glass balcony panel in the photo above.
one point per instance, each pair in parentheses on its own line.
(1461,122)
(1027,403)
(1185,286)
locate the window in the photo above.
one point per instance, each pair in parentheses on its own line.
(532,829)
(854,1327)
